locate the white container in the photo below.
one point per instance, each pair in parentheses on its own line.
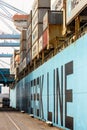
(29,43)
(28,56)
(57,5)
(38,16)
(22,55)
(74,7)
(22,65)
(40,4)
(37,32)
(29,31)
(29,18)
(45,21)
(35,50)
(40,43)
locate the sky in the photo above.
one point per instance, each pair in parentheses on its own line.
(24,5)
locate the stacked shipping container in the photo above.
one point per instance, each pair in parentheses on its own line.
(39,9)
(52,27)
(23,45)
(22,50)
(29,39)
(57,5)
(29,32)
(43,26)
(15,61)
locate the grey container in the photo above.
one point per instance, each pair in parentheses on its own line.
(52,17)
(37,32)
(29,31)
(29,21)
(38,16)
(55,17)
(40,4)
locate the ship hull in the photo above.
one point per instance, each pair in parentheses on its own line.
(57,90)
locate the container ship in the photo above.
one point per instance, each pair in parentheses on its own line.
(51,66)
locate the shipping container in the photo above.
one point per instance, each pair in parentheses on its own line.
(51,33)
(40,43)
(37,32)
(57,5)
(22,65)
(23,45)
(14,62)
(17,72)
(52,17)
(38,17)
(74,7)
(29,20)
(29,31)
(29,43)
(22,55)
(40,4)
(45,38)
(35,50)
(29,56)
(23,35)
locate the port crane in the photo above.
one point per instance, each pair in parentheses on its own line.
(12,39)
(5,14)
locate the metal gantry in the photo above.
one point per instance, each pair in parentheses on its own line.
(7,12)
(5,77)
(7,39)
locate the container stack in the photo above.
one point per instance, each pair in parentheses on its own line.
(43,26)
(23,45)
(29,39)
(40,7)
(22,65)
(52,28)
(14,64)
(57,5)
(29,32)
(17,62)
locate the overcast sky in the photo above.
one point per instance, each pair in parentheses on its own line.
(24,5)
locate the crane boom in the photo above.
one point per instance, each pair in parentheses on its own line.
(9,26)
(5,10)
(5,16)
(12,7)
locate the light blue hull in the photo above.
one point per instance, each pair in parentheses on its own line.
(57,90)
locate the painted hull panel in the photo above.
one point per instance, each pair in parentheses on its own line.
(57,90)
